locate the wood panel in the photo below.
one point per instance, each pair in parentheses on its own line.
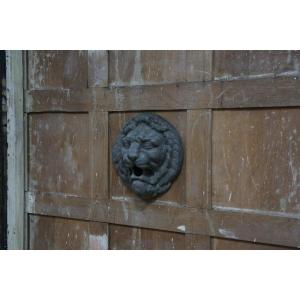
(50,233)
(57,69)
(117,189)
(158,67)
(256,159)
(132,238)
(226,244)
(59,153)
(97,68)
(198,158)
(255,64)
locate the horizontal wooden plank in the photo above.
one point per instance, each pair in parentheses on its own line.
(261,228)
(279,92)
(66,206)
(228,244)
(239,64)
(248,225)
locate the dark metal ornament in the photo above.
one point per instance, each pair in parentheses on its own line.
(148,155)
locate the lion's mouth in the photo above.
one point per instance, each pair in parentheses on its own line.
(141,174)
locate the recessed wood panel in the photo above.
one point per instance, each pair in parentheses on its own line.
(226,244)
(256,159)
(57,69)
(51,233)
(117,189)
(242,64)
(59,153)
(154,67)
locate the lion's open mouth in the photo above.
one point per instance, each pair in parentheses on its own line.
(141,174)
(137,171)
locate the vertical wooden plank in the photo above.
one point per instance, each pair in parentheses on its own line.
(99,155)
(15,174)
(97,68)
(198,158)
(197,242)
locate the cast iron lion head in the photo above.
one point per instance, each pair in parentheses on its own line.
(148,155)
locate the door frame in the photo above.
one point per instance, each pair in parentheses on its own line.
(16,150)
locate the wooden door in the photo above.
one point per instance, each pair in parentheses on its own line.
(236,112)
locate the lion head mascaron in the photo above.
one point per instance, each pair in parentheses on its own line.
(148,155)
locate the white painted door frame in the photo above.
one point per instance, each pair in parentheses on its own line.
(15,160)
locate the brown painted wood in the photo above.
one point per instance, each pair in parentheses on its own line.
(57,69)
(259,226)
(226,244)
(129,68)
(131,238)
(59,153)
(255,64)
(239,182)
(259,93)
(50,233)
(99,154)
(198,158)
(97,68)
(256,159)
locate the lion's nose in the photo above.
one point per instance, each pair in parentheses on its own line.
(132,155)
(133,152)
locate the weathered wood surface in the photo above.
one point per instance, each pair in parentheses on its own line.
(279,92)
(57,69)
(198,158)
(256,159)
(132,238)
(15,160)
(129,68)
(50,233)
(59,159)
(239,182)
(227,244)
(240,224)
(255,64)
(97,68)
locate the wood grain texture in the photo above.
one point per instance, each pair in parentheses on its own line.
(57,69)
(97,68)
(50,233)
(198,158)
(129,68)
(239,224)
(256,159)
(59,153)
(15,151)
(66,206)
(255,64)
(255,226)
(279,92)
(131,238)
(118,190)
(99,154)
(227,244)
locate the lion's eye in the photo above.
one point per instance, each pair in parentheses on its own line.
(126,144)
(147,145)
